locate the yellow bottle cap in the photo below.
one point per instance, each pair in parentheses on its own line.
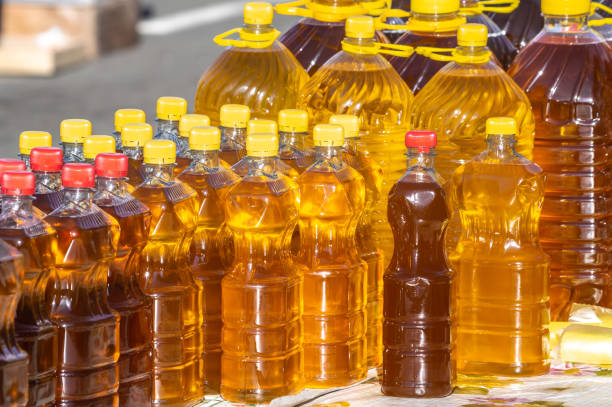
(349,122)
(171,108)
(262,127)
(136,134)
(328,135)
(258,13)
(234,116)
(126,116)
(501,125)
(434,6)
(32,139)
(189,121)
(566,7)
(472,35)
(205,139)
(359,27)
(262,145)
(293,121)
(74,130)
(94,145)
(159,152)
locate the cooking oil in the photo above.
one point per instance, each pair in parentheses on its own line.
(134,137)
(187,122)
(46,164)
(292,135)
(233,125)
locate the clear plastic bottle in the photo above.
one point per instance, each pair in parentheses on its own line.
(209,262)
(354,155)
(88,329)
(170,109)
(262,292)
(134,137)
(32,139)
(501,272)
(97,144)
(358,80)
(72,135)
(21,227)
(187,122)
(459,99)
(123,117)
(167,280)
(124,293)
(335,282)
(566,72)
(417,358)
(46,164)
(256,70)
(292,135)
(233,125)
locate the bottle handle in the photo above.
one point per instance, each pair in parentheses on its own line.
(381,21)
(308,9)
(247,40)
(491,6)
(604,21)
(397,50)
(440,54)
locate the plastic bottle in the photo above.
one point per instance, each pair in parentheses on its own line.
(187,122)
(212,181)
(88,329)
(566,72)
(10,164)
(359,81)
(134,137)
(46,164)
(262,291)
(501,272)
(170,109)
(123,117)
(97,144)
(459,99)
(417,284)
(292,134)
(167,280)
(233,125)
(32,139)
(124,293)
(335,282)
(318,37)
(354,156)
(72,135)
(13,360)
(255,71)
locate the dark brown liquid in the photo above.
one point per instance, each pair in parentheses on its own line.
(523,24)
(232,156)
(417,295)
(48,202)
(135,175)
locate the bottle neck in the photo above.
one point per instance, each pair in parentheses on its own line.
(47,182)
(434,18)
(476,52)
(73,152)
(331,154)
(258,29)
(420,159)
(167,126)
(13,204)
(26,159)
(291,141)
(134,153)
(204,161)
(156,173)
(114,186)
(232,138)
(500,146)
(566,24)
(267,166)
(82,197)
(359,42)
(350,144)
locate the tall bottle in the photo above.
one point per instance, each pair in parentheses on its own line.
(335,282)
(262,291)
(123,117)
(360,81)
(167,280)
(212,181)
(233,125)
(32,139)
(566,72)
(72,135)
(170,109)
(46,164)
(88,329)
(256,70)
(22,228)
(501,272)
(417,329)
(134,137)
(13,360)
(451,104)
(124,293)
(354,156)
(97,144)
(187,122)
(292,134)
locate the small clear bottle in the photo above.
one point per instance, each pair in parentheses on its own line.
(72,135)
(123,117)
(170,109)
(233,125)
(97,144)
(32,139)
(292,134)
(134,137)
(187,122)
(46,163)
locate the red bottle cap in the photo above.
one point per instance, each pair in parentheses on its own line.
(48,159)
(111,165)
(10,164)
(77,175)
(423,140)
(18,183)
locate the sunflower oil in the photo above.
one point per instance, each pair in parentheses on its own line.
(358,80)
(32,139)
(256,70)
(72,135)
(187,122)
(123,117)
(566,72)
(501,272)
(170,109)
(292,134)
(233,125)
(97,144)
(133,139)
(46,164)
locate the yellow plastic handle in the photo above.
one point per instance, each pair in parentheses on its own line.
(492,6)
(450,54)
(247,40)
(321,12)
(603,21)
(377,7)
(294,8)
(379,48)
(381,21)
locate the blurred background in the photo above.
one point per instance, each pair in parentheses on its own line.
(86,58)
